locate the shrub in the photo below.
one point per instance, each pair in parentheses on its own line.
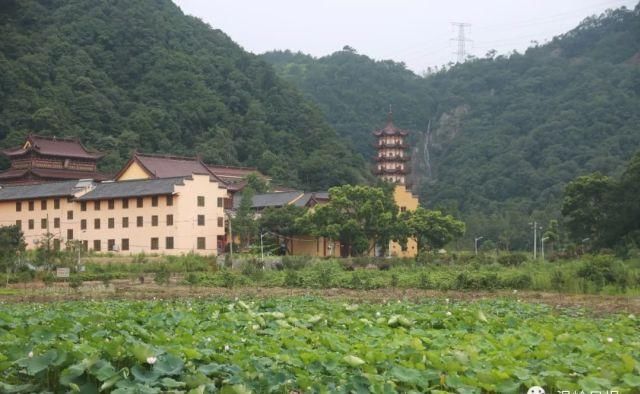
(162,275)
(75,282)
(512,259)
(521,281)
(253,268)
(228,278)
(292,279)
(295,262)
(48,279)
(323,274)
(192,278)
(557,280)
(423,281)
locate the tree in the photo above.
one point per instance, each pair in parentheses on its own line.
(586,207)
(359,216)
(431,229)
(11,244)
(244,224)
(284,221)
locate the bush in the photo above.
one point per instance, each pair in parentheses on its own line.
(295,262)
(423,281)
(292,279)
(521,281)
(512,259)
(75,282)
(162,275)
(252,268)
(323,274)
(48,279)
(557,280)
(192,278)
(228,278)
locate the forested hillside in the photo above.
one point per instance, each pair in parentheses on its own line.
(125,75)
(507,132)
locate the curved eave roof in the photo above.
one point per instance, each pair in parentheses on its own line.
(390,129)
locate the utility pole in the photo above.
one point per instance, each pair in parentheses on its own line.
(535,239)
(461,39)
(475,243)
(542,249)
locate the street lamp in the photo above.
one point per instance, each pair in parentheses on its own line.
(543,239)
(475,242)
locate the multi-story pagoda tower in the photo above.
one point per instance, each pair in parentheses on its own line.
(392,161)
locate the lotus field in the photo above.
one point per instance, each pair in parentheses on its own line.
(309,345)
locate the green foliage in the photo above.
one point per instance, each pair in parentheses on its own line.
(137,75)
(11,244)
(154,346)
(75,281)
(432,229)
(506,133)
(512,259)
(358,216)
(162,276)
(244,224)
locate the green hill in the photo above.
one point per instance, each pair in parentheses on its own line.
(125,75)
(507,133)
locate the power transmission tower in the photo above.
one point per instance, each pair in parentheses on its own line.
(461,39)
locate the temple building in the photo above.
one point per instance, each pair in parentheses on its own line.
(392,165)
(48,159)
(391,158)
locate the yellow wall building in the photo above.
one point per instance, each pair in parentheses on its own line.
(166,216)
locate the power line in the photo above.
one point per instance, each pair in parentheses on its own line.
(461,39)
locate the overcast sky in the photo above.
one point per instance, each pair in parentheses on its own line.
(417,32)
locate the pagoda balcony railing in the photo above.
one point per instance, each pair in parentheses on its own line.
(380,171)
(393,158)
(398,145)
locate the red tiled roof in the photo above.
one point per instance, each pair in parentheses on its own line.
(171,166)
(54,147)
(232,172)
(47,174)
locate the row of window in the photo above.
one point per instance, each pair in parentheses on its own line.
(111,203)
(43,205)
(154,244)
(111,222)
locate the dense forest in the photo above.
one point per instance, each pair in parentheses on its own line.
(125,75)
(497,138)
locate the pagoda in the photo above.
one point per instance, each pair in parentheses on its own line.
(391,158)
(48,159)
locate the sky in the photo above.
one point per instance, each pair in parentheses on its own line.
(419,33)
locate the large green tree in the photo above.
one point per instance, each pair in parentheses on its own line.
(358,216)
(432,230)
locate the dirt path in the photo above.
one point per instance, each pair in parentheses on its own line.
(124,289)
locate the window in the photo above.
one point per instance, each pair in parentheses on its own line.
(125,203)
(168,243)
(139,202)
(56,244)
(154,243)
(96,224)
(220,202)
(56,222)
(124,245)
(200,220)
(43,223)
(111,204)
(169,220)
(220,222)
(18,206)
(125,222)
(111,223)
(200,243)
(83,224)
(139,221)
(69,234)
(43,205)
(19,224)
(31,205)
(154,201)
(83,206)
(69,215)
(169,201)
(201,201)
(111,243)
(403,209)
(56,203)
(96,245)
(31,224)
(96,205)
(154,220)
